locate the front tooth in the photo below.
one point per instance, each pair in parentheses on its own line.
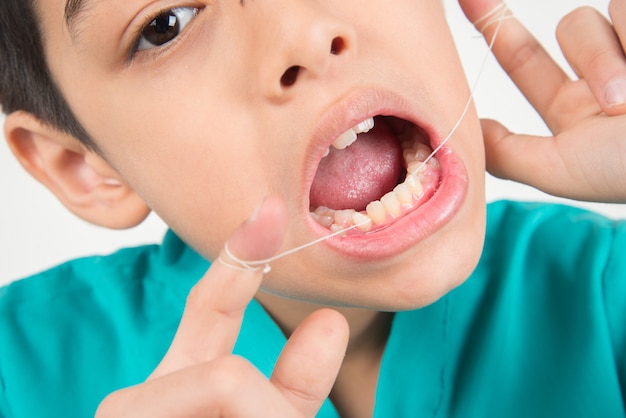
(345,139)
(348,137)
(364,126)
(376,212)
(391,203)
(363,222)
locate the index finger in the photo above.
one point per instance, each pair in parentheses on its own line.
(215,306)
(593,49)
(526,62)
(617,10)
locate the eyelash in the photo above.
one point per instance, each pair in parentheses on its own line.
(182,15)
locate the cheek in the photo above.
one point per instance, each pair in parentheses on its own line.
(202,199)
(417,31)
(201,175)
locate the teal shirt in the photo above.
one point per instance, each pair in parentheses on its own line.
(538,330)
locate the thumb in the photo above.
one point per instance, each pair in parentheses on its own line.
(215,306)
(311,359)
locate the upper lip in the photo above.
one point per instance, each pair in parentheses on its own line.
(358,106)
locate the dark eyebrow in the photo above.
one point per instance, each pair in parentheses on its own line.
(73,9)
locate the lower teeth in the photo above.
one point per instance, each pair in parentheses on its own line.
(405,197)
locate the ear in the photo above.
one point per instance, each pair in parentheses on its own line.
(80,178)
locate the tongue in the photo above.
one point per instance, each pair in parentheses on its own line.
(363,172)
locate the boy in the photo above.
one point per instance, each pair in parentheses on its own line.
(198,111)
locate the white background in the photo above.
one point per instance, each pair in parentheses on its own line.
(36,232)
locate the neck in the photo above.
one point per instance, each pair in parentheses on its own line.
(368,329)
(354,391)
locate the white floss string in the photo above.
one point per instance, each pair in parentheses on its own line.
(494,17)
(489,19)
(265,263)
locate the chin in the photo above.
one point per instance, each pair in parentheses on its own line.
(422,273)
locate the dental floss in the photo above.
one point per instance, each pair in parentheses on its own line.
(264,265)
(492,20)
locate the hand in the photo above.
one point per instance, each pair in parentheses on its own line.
(200,377)
(586,157)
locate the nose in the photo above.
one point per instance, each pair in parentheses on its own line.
(302,43)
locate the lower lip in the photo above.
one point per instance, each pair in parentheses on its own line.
(415,226)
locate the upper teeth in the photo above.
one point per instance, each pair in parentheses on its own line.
(348,137)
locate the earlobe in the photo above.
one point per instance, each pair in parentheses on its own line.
(80,178)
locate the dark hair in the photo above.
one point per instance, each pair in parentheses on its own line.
(25,80)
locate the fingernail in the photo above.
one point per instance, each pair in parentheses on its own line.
(615,92)
(110,181)
(256,211)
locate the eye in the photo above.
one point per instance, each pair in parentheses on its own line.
(165,27)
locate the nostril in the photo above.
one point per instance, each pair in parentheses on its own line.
(290,76)
(337,46)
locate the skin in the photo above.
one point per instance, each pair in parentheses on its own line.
(219,87)
(229,102)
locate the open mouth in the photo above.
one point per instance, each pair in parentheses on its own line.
(374,174)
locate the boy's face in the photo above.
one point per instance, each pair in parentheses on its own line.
(242,101)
